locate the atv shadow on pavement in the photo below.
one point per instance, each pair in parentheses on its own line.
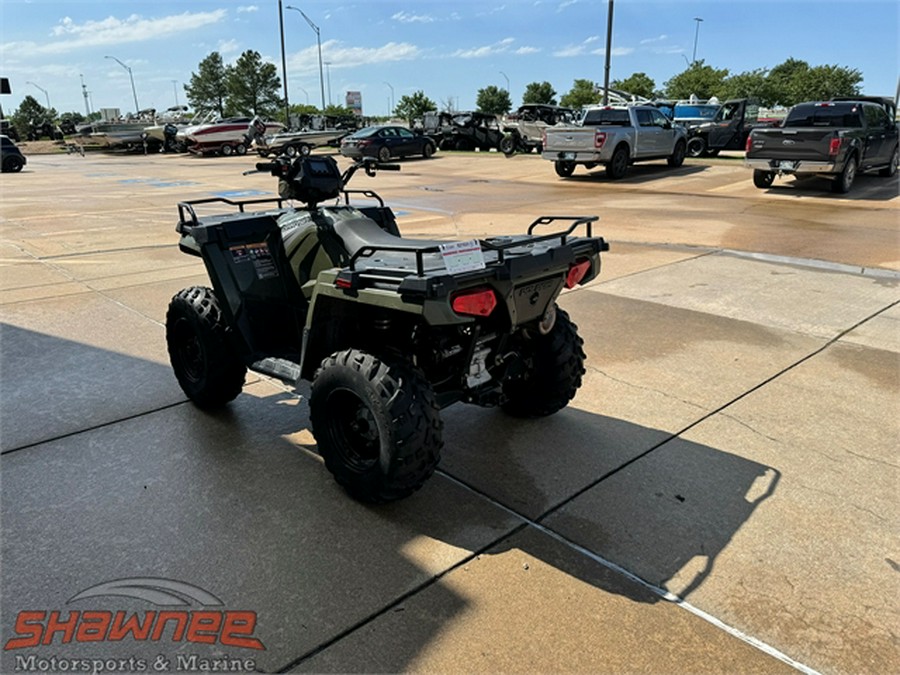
(237,502)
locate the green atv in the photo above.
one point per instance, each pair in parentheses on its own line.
(388,330)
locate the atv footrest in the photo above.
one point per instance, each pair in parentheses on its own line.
(282,369)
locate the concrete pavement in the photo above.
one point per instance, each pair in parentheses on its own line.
(720,496)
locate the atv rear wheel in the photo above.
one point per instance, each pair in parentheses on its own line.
(378,427)
(205,364)
(554,366)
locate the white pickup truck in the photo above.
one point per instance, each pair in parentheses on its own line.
(615,136)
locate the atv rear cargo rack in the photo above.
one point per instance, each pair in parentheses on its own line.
(438,281)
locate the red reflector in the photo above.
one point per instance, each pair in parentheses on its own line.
(834,146)
(577,272)
(480,302)
(599,139)
(340,282)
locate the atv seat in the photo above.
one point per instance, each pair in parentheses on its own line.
(357,233)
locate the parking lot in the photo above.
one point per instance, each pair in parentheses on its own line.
(721,495)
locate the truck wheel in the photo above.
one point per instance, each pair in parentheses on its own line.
(205,364)
(676,159)
(554,366)
(564,169)
(842,183)
(618,165)
(696,147)
(763,179)
(891,169)
(508,145)
(377,424)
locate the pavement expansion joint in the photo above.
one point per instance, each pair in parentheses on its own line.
(662,593)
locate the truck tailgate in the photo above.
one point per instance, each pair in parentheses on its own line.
(807,144)
(569,139)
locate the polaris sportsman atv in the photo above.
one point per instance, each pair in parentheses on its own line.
(388,330)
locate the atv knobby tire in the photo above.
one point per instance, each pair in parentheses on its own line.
(205,364)
(377,425)
(555,364)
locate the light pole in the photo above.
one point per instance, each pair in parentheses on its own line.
(130,75)
(319,42)
(175,89)
(609,23)
(507,81)
(390,86)
(43,90)
(696,35)
(328,73)
(287,106)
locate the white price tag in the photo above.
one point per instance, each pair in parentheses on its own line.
(462,256)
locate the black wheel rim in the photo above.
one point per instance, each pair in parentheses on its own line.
(189,351)
(353,430)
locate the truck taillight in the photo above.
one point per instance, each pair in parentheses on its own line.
(577,272)
(477,302)
(599,139)
(749,143)
(834,147)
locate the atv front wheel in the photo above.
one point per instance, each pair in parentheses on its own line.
(378,427)
(554,364)
(208,370)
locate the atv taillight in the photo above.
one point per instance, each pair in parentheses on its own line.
(599,139)
(834,147)
(477,302)
(577,272)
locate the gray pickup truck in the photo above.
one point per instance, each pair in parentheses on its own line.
(614,136)
(836,139)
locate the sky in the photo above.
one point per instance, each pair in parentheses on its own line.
(449,49)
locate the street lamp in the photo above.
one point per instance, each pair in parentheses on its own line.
(43,90)
(391,87)
(696,35)
(319,41)
(131,75)
(287,106)
(328,73)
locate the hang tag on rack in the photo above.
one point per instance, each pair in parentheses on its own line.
(462,256)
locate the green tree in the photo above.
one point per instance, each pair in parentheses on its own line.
(824,82)
(638,84)
(751,84)
(411,107)
(785,80)
(699,79)
(253,86)
(583,92)
(30,115)
(207,89)
(539,92)
(493,100)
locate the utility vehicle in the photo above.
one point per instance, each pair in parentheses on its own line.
(388,330)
